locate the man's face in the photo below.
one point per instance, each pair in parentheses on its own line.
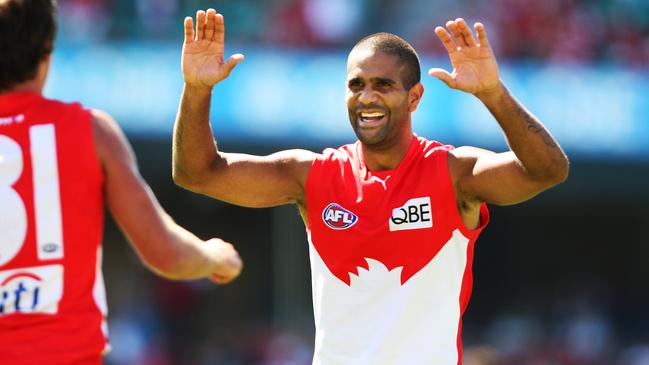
(377,101)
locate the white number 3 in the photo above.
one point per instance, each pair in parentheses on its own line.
(47,201)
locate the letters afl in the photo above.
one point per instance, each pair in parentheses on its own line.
(337,217)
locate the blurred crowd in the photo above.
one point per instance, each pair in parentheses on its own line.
(171,325)
(592,31)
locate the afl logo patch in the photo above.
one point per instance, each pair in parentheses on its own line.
(337,217)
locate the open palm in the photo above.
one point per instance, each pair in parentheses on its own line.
(203,62)
(474,65)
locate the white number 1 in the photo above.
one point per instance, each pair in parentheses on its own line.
(47,200)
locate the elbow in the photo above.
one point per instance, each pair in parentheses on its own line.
(556,173)
(194,177)
(181,179)
(184,180)
(561,170)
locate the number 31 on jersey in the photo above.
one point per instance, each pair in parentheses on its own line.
(46,200)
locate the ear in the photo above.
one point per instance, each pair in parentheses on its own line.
(414,96)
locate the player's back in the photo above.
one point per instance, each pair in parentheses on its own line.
(52,301)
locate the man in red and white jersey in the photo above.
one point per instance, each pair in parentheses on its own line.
(60,166)
(391,219)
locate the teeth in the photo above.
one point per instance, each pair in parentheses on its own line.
(372,115)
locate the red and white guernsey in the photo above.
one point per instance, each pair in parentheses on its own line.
(390,259)
(52,298)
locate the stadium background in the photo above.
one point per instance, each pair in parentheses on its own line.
(562,279)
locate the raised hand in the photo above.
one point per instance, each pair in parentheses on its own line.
(203,63)
(229,263)
(474,65)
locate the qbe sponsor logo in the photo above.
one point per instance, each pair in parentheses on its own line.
(414,214)
(337,217)
(31,290)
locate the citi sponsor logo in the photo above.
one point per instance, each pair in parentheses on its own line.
(337,217)
(414,214)
(28,290)
(20,293)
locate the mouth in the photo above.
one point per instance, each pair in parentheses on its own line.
(371,118)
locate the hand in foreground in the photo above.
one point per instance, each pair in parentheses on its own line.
(474,65)
(202,60)
(229,263)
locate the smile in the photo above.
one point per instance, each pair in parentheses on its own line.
(368,119)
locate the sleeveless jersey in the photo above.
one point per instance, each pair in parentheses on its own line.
(390,258)
(52,298)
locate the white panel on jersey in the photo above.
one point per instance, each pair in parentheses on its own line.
(99,296)
(13,216)
(47,201)
(99,289)
(377,321)
(31,290)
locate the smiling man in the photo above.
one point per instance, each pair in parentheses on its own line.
(391,219)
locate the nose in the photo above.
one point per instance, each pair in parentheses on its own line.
(367,96)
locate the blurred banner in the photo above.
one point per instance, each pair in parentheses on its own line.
(285,96)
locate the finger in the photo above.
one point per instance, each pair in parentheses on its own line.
(200,24)
(189,29)
(210,24)
(446,39)
(467,36)
(457,35)
(219,29)
(482,34)
(232,62)
(443,75)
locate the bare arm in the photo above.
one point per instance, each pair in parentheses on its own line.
(536,161)
(164,247)
(198,165)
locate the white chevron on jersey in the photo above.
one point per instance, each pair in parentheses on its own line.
(376,320)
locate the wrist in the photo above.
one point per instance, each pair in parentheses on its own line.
(492,95)
(197,89)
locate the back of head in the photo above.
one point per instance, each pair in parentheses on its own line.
(27,29)
(394,45)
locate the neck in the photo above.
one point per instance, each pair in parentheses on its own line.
(28,86)
(387,158)
(36,84)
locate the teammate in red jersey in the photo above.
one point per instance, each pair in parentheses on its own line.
(60,166)
(391,219)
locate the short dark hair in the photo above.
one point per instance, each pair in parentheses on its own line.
(392,44)
(27,30)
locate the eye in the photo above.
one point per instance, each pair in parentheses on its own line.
(355,85)
(383,84)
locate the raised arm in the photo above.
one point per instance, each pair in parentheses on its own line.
(536,161)
(198,165)
(163,246)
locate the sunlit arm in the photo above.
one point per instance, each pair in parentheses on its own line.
(163,246)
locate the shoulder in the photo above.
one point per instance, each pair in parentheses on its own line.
(461,160)
(60,103)
(343,153)
(431,149)
(68,112)
(104,127)
(110,141)
(466,155)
